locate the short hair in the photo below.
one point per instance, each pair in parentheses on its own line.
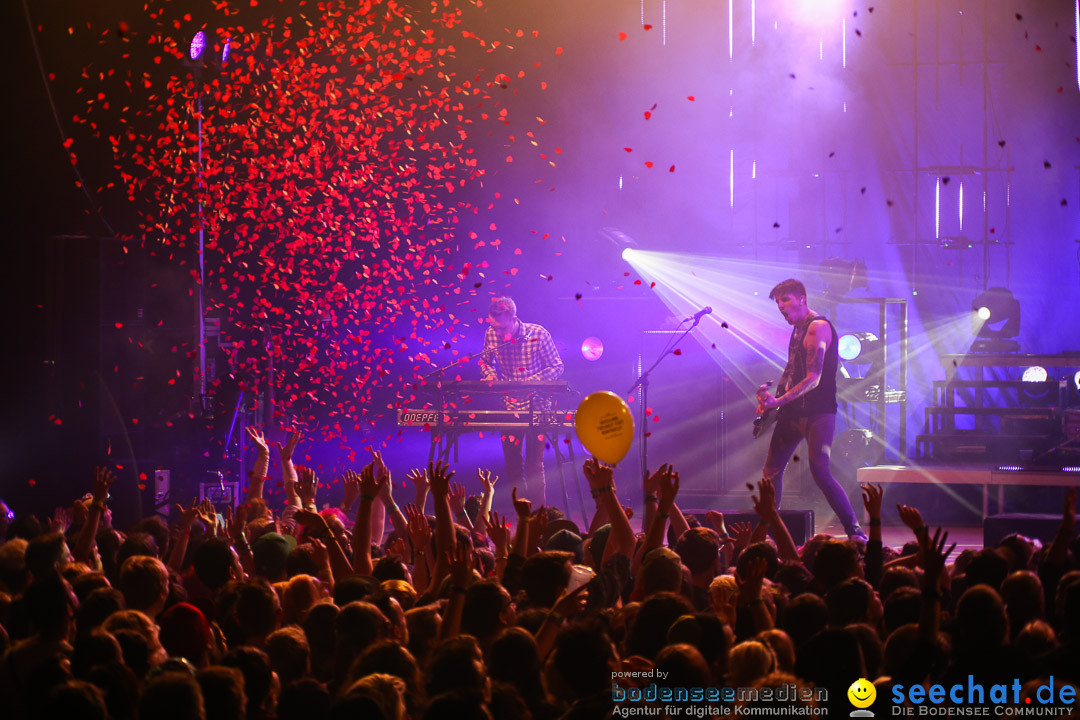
(791,286)
(47,601)
(44,554)
(502,305)
(257,608)
(582,652)
(455,665)
(254,664)
(76,698)
(698,548)
(305,699)
(290,654)
(213,563)
(423,624)
(849,601)
(484,602)
(172,696)
(144,580)
(545,575)
(223,692)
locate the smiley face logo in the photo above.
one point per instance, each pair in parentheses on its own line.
(862,693)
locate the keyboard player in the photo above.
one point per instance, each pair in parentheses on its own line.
(530,357)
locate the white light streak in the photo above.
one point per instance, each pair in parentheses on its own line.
(820,49)
(663,23)
(620,182)
(1076,34)
(843,41)
(731,178)
(753,171)
(961,206)
(937,209)
(730,29)
(753,24)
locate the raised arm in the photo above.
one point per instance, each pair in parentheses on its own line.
(602,485)
(369,490)
(765,507)
(872,502)
(419,479)
(84,543)
(439,474)
(487,482)
(262,464)
(288,470)
(667,486)
(386,496)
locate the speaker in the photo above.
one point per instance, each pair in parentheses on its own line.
(800,523)
(1043,527)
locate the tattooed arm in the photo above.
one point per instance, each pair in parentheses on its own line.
(816,343)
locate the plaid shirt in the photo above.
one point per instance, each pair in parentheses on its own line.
(532,357)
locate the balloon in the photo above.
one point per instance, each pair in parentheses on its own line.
(605,426)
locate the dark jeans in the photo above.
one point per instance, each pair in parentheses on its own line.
(818,433)
(526,470)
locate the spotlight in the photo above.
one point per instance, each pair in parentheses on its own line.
(995,320)
(860,348)
(198,45)
(1076,381)
(627,253)
(1034,374)
(592,348)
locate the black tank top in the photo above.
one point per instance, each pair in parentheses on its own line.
(821,399)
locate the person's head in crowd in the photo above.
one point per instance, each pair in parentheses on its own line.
(353,588)
(853,601)
(290,653)
(1018,551)
(391,567)
(759,550)
(390,658)
(896,577)
(136,543)
(903,606)
(699,549)
(375,696)
(582,661)
(136,651)
(457,705)
(320,628)
(870,645)
(545,575)
(75,699)
(782,646)
(97,606)
(804,617)
(306,699)
(708,634)
(271,554)
(213,563)
(507,704)
(683,666)
(172,696)
(301,593)
(144,581)
(515,658)
(748,662)
(595,546)
(531,619)
(51,607)
(301,561)
(795,577)
(661,571)
(488,609)
(185,632)
(987,567)
(121,688)
(13,573)
(402,591)
(359,625)
(1022,593)
(392,611)
(46,554)
(1035,639)
(1067,607)
(86,583)
(156,527)
(831,659)
(808,552)
(258,611)
(223,693)
(423,624)
(456,664)
(658,613)
(25,526)
(142,625)
(836,561)
(982,625)
(260,682)
(567,541)
(94,648)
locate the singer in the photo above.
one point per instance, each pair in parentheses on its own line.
(516,351)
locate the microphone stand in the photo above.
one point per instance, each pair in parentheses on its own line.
(643,382)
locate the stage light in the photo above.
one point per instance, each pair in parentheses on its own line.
(592,348)
(995,319)
(859,348)
(627,253)
(198,45)
(1034,374)
(226,51)
(1076,381)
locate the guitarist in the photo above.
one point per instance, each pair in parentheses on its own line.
(805,401)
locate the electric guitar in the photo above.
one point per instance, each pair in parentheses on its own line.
(764,419)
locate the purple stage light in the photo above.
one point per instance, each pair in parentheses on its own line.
(198,44)
(592,348)
(226,52)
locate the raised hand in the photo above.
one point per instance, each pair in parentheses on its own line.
(382,473)
(765,500)
(208,515)
(369,486)
(537,525)
(397,547)
(351,483)
(103,480)
(285,452)
(188,515)
(306,487)
(457,498)
(234,526)
(258,438)
(522,506)
(487,481)
(749,586)
(934,556)
(60,521)
(419,528)
(439,474)
(461,565)
(740,533)
(652,482)
(911,517)
(571,604)
(1068,511)
(313,523)
(716,519)
(669,488)
(499,532)
(419,479)
(871,497)
(319,554)
(600,477)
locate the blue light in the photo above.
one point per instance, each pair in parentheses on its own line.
(198,44)
(984,313)
(849,347)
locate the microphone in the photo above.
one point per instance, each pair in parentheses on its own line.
(701,313)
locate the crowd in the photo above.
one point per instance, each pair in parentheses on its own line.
(457,612)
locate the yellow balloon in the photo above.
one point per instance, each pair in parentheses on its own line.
(605,426)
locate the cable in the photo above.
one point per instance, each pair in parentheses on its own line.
(56,118)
